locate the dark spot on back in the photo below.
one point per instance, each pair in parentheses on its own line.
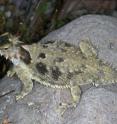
(41,67)
(78,72)
(59,59)
(42,55)
(63,50)
(67,45)
(50,42)
(55,72)
(69,75)
(45,46)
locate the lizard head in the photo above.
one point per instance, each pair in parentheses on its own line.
(8,51)
(9,47)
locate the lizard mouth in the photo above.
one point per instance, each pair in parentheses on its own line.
(4,66)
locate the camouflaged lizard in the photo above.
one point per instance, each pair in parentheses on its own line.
(59,65)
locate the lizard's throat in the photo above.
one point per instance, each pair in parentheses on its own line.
(15,61)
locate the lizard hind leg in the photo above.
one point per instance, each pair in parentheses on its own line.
(75,93)
(11,72)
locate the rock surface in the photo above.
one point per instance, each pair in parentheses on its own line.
(100,30)
(97,105)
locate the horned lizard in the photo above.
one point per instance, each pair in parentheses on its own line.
(59,65)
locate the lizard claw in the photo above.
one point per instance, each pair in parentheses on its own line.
(10,73)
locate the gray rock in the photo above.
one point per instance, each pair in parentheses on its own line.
(8,88)
(97,105)
(41,106)
(100,30)
(8,14)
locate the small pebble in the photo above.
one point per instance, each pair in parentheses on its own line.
(8,14)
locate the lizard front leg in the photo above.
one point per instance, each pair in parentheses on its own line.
(27,82)
(11,72)
(27,87)
(25,75)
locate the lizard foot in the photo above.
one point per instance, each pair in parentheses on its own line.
(10,73)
